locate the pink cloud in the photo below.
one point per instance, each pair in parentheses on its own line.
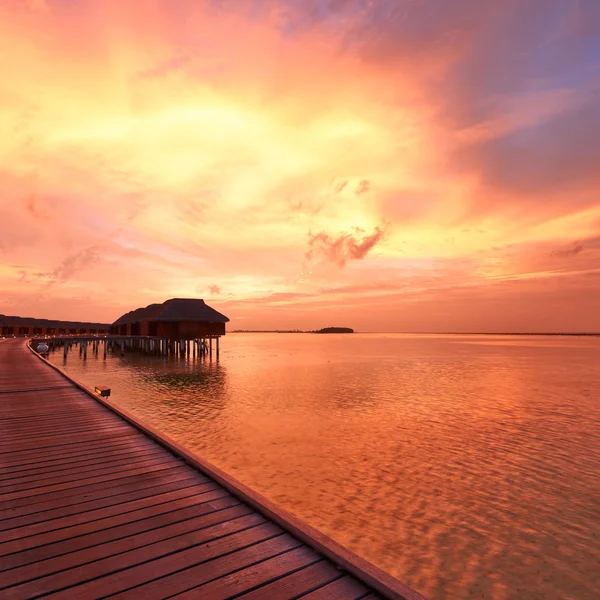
(344,247)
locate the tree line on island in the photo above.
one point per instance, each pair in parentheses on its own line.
(324,330)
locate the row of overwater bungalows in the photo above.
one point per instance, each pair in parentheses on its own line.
(10,325)
(175,319)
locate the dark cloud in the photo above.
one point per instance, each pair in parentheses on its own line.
(362,187)
(75,263)
(340,186)
(343,248)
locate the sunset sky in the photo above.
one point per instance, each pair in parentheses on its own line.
(387,165)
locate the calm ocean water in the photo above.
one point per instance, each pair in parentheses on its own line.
(467,466)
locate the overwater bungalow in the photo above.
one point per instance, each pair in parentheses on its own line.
(175,319)
(14,325)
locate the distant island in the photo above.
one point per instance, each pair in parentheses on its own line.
(324,330)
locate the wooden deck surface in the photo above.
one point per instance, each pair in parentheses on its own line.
(91,507)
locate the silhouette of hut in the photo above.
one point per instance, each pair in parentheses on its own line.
(175,319)
(13,325)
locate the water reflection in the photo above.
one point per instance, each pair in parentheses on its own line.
(468,470)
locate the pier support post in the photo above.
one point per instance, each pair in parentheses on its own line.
(66,348)
(217,344)
(104,349)
(210,340)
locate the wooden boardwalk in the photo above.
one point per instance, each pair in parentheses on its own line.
(93,507)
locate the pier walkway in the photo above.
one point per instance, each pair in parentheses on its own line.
(93,505)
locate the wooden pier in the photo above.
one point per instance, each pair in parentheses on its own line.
(156,346)
(94,504)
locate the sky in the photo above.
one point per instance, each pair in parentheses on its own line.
(386,165)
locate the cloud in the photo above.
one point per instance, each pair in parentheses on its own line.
(362,187)
(573,250)
(74,263)
(343,248)
(214,289)
(339,187)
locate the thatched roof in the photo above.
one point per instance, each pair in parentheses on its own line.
(176,309)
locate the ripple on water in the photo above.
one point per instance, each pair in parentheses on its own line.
(465,466)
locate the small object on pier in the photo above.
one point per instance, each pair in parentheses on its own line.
(102,391)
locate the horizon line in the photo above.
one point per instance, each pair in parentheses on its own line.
(524,333)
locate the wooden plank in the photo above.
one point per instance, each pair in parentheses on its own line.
(184,570)
(255,576)
(60,440)
(17,431)
(65,429)
(52,413)
(90,491)
(298,583)
(168,463)
(24,484)
(205,542)
(98,509)
(85,522)
(59,547)
(345,588)
(139,487)
(105,437)
(33,457)
(84,462)
(86,547)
